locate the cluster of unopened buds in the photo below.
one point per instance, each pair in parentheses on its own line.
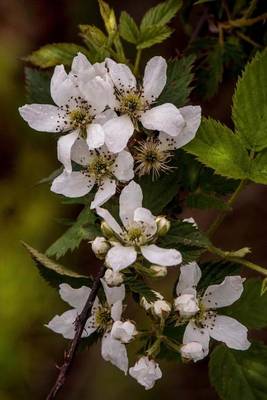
(111,129)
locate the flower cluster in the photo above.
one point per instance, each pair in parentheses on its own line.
(112,130)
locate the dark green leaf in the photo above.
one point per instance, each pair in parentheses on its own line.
(179,80)
(83,229)
(251,308)
(55,273)
(218,147)
(137,285)
(38,86)
(129,31)
(161,14)
(250,103)
(206,201)
(239,375)
(214,272)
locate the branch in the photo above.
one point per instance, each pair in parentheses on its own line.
(79,327)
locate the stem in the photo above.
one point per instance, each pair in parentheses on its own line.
(137,61)
(225,255)
(79,327)
(119,49)
(215,225)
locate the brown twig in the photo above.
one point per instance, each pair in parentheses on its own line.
(79,327)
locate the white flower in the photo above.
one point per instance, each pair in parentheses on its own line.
(186,304)
(137,102)
(123,331)
(146,372)
(161,308)
(206,322)
(138,235)
(100,246)
(192,351)
(113,278)
(81,98)
(101,319)
(98,167)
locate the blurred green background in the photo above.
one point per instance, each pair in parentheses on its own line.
(28,351)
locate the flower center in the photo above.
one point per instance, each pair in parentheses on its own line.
(101,166)
(102,317)
(135,235)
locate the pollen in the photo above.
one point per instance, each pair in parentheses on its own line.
(101,166)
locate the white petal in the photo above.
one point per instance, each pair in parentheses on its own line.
(114,351)
(144,215)
(224,294)
(113,294)
(192,117)
(120,257)
(80,63)
(44,118)
(230,332)
(116,311)
(104,193)
(105,214)
(89,327)
(124,166)
(80,152)
(95,136)
(64,324)
(121,75)
(96,93)
(74,184)
(104,117)
(131,198)
(190,275)
(193,333)
(62,87)
(159,256)
(76,298)
(155,78)
(64,147)
(166,118)
(117,133)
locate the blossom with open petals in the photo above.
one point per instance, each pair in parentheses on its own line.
(146,372)
(99,168)
(201,312)
(138,234)
(102,318)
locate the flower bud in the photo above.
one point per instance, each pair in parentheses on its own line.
(187,305)
(113,278)
(161,308)
(100,247)
(158,271)
(123,331)
(192,351)
(148,305)
(163,226)
(106,230)
(146,372)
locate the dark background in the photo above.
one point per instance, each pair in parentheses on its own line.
(29,351)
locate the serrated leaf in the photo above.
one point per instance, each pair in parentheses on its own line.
(258,171)
(250,103)
(38,86)
(161,14)
(251,308)
(153,35)
(239,374)
(205,201)
(54,54)
(179,80)
(214,272)
(108,15)
(219,148)
(96,41)
(157,194)
(83,229)
(139,287)
(55,273)
(129,31)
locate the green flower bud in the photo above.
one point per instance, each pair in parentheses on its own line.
(163,225)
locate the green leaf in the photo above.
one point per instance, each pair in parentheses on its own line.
(218,147)
(251,308)
(152,35)
(186,238)
(109,18)
(239,375)
(129,31)
(96,41)
(83,229)
(214,272)
(161,14)
(250,103)
(138,286)
(158,193)
(258,172)
(206,201)
(179,80)
(54,54)
(55,273)
(38,86)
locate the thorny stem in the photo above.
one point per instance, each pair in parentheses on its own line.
(79,327)
(227,256)
(215,225)
(137,61)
